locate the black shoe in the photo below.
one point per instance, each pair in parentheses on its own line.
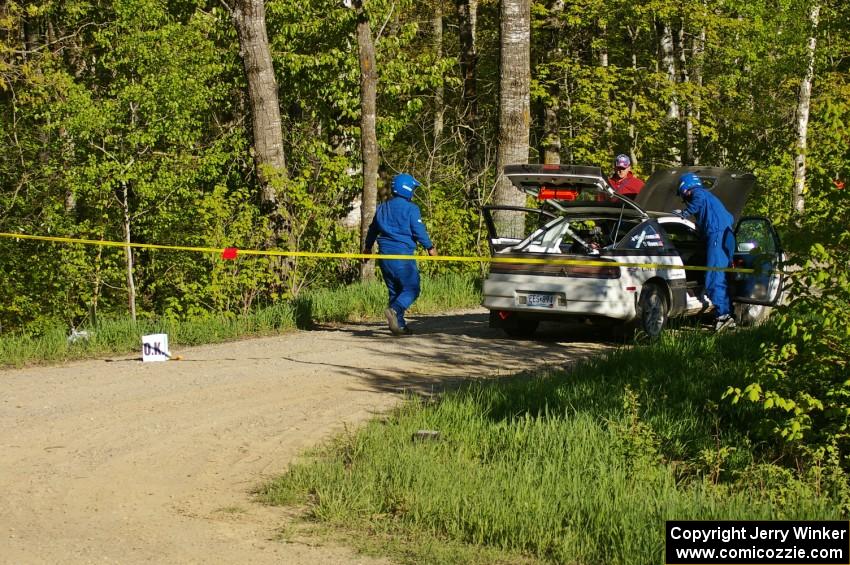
(392,321)
(406,331)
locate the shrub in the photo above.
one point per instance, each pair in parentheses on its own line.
(801,380)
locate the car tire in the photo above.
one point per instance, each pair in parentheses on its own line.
(522,328)
(653,311)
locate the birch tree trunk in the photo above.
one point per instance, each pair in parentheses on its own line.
(439,95)
(668,65)
(603,63)
(249,17)
(804,101)
(514,97)
(467,21)
(368,135)
(552,131)
(128,251)
(694,113)
(552,52)
(633,36)
(688,107)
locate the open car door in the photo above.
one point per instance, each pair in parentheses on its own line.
(523,222)
(758,247)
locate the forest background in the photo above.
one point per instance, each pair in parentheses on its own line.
(138,120)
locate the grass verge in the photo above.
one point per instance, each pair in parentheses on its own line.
(577,467)
(353,303)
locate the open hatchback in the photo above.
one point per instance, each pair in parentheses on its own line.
(588,254)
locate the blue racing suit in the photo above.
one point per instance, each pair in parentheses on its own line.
(398,227)
(715,223)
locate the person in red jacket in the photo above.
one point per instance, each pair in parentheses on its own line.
(623,180)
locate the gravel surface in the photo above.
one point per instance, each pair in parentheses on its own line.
(118,461)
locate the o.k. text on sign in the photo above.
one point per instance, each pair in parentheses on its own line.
(155,348)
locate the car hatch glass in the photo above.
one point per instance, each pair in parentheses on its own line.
(645,236)
(507,226)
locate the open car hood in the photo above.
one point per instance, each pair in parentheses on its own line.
(731,187)
(563,185)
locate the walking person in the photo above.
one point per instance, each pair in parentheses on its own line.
(715,223)
(398,228)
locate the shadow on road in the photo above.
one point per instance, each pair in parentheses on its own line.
(446,350)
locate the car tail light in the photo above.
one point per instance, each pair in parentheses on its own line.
(551,167)
(592,272)
(558,270)
(738,263)
(557,194)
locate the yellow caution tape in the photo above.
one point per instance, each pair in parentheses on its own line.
(450,258)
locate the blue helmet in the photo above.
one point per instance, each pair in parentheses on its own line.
(688,181)
(404,185)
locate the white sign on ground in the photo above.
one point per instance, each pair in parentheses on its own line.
(155,347)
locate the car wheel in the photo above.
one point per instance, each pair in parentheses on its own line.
(652,317)
(522,328)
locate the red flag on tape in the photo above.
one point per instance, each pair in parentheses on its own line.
(229,253)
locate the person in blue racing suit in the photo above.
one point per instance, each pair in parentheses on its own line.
(397,227)
(715,223)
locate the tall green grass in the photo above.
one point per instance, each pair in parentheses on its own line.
(361,301)
(353,303)
(575,467)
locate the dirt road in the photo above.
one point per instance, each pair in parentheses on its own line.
(116,461)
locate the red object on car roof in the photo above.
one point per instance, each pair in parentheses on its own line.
(557,194)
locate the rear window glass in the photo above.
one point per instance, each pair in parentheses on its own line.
(646,236)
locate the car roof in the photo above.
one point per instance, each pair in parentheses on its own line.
(731,187)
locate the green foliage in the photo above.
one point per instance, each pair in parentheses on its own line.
(563,468)
(801,380)
(148,98)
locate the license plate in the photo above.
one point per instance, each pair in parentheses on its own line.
(541,300)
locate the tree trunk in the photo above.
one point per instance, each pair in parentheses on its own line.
(249,17)
(603,63)
(798,196)
(368,135)
(514,97)
(467,21)
(695,114)
(668,65)
(552,131)
(690,150)
(439,95)
(633,35)
(552,53)
(128,251)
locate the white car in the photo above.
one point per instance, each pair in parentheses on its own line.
(628,256)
